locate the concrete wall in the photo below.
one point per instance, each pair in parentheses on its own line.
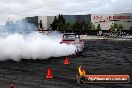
(101,19)
(50,19)
(127,23)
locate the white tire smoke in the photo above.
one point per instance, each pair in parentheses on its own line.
(33,46)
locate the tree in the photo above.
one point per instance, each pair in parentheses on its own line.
(61,22)
(74,26)
(86,27)
(77,25)
(82,25)
(98,27)
(91,26)
(116,26)
(54,24)
(67,26)
(62,19)
(120,27)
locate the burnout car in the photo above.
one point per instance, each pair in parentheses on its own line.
(74,39)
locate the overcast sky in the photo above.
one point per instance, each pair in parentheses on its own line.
(16,9)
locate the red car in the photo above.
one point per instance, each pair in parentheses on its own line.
(74,39)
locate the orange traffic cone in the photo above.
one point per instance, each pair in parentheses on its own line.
(75,53)
(49,74)
(66,61)
(12,84)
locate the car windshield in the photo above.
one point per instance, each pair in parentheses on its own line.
(69,36)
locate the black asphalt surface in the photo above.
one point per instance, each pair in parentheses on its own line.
(99,57)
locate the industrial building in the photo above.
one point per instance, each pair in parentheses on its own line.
(105,20)
(46,21)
